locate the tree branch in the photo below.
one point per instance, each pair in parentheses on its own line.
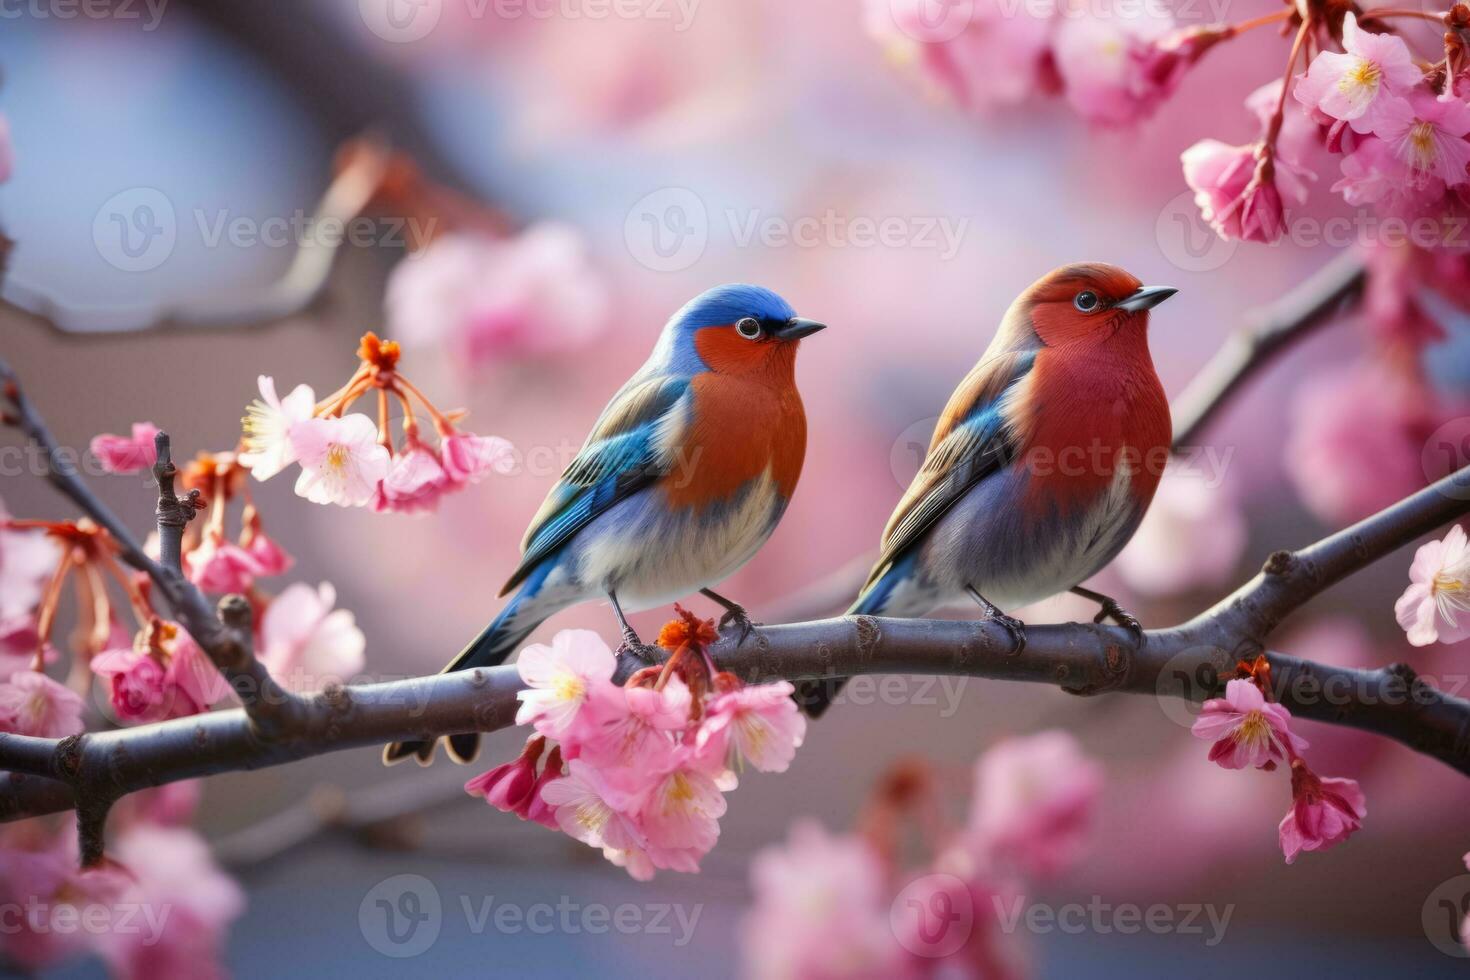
(1277,327)
(1188,661)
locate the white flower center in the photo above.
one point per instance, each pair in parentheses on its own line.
(1361,80)
(1420,145)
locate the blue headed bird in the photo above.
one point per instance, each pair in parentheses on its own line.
(682,479)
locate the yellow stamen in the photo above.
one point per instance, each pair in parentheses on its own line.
(1421,146)
(1365,75)
(337,456)
(569,687)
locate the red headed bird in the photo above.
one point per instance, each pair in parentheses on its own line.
(1041,466)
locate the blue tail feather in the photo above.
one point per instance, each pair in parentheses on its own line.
(492,647)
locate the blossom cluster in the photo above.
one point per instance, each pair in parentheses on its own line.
(157,907)
(1249,731)
(352,461)
(850,899)
(639,770)
(1114,67)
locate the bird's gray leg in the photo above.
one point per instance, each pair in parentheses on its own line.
(1111,610)
(1012,625)
(734,613)
(631,641)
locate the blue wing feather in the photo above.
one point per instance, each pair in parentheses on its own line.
(625,453)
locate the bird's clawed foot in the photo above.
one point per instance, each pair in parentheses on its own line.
(634,646)
(734,613)
(1013,626)
(1111,610)
(1010,624)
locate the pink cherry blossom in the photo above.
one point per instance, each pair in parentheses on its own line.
(267,553)
(1110,65)
(33,704)
(1324,812)
(19,640)
(629,726)
(306,643)
(591,809)
(682,811)
(1191,537)
(135,683)
(512,786)
(126,454)
(982,55)
(1235,194)
(484,299)
(1298,141)
(1357,84)
(1247,729)
(48,895)
(341,460)
(217,565)
(1374,174)
(174,681)
(1033,802)
(538,810)
(1433,608)
(268,423)
(414,483)
(27,560)
(758,724)
(561,678)
(820,901)
(1428,135)
(171,868)
(468,458)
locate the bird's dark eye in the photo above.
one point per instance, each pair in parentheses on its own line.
(748,327)
(1086,301)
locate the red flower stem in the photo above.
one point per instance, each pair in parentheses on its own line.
(1269,141)
(1261,21)
(361,372)
(440,422)
(410,424)
(142,609)
(384,436)
(1379,14)
(337,404)
(46,617)
(97,619)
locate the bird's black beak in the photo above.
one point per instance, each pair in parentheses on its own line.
(1146,298)
(797,328)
